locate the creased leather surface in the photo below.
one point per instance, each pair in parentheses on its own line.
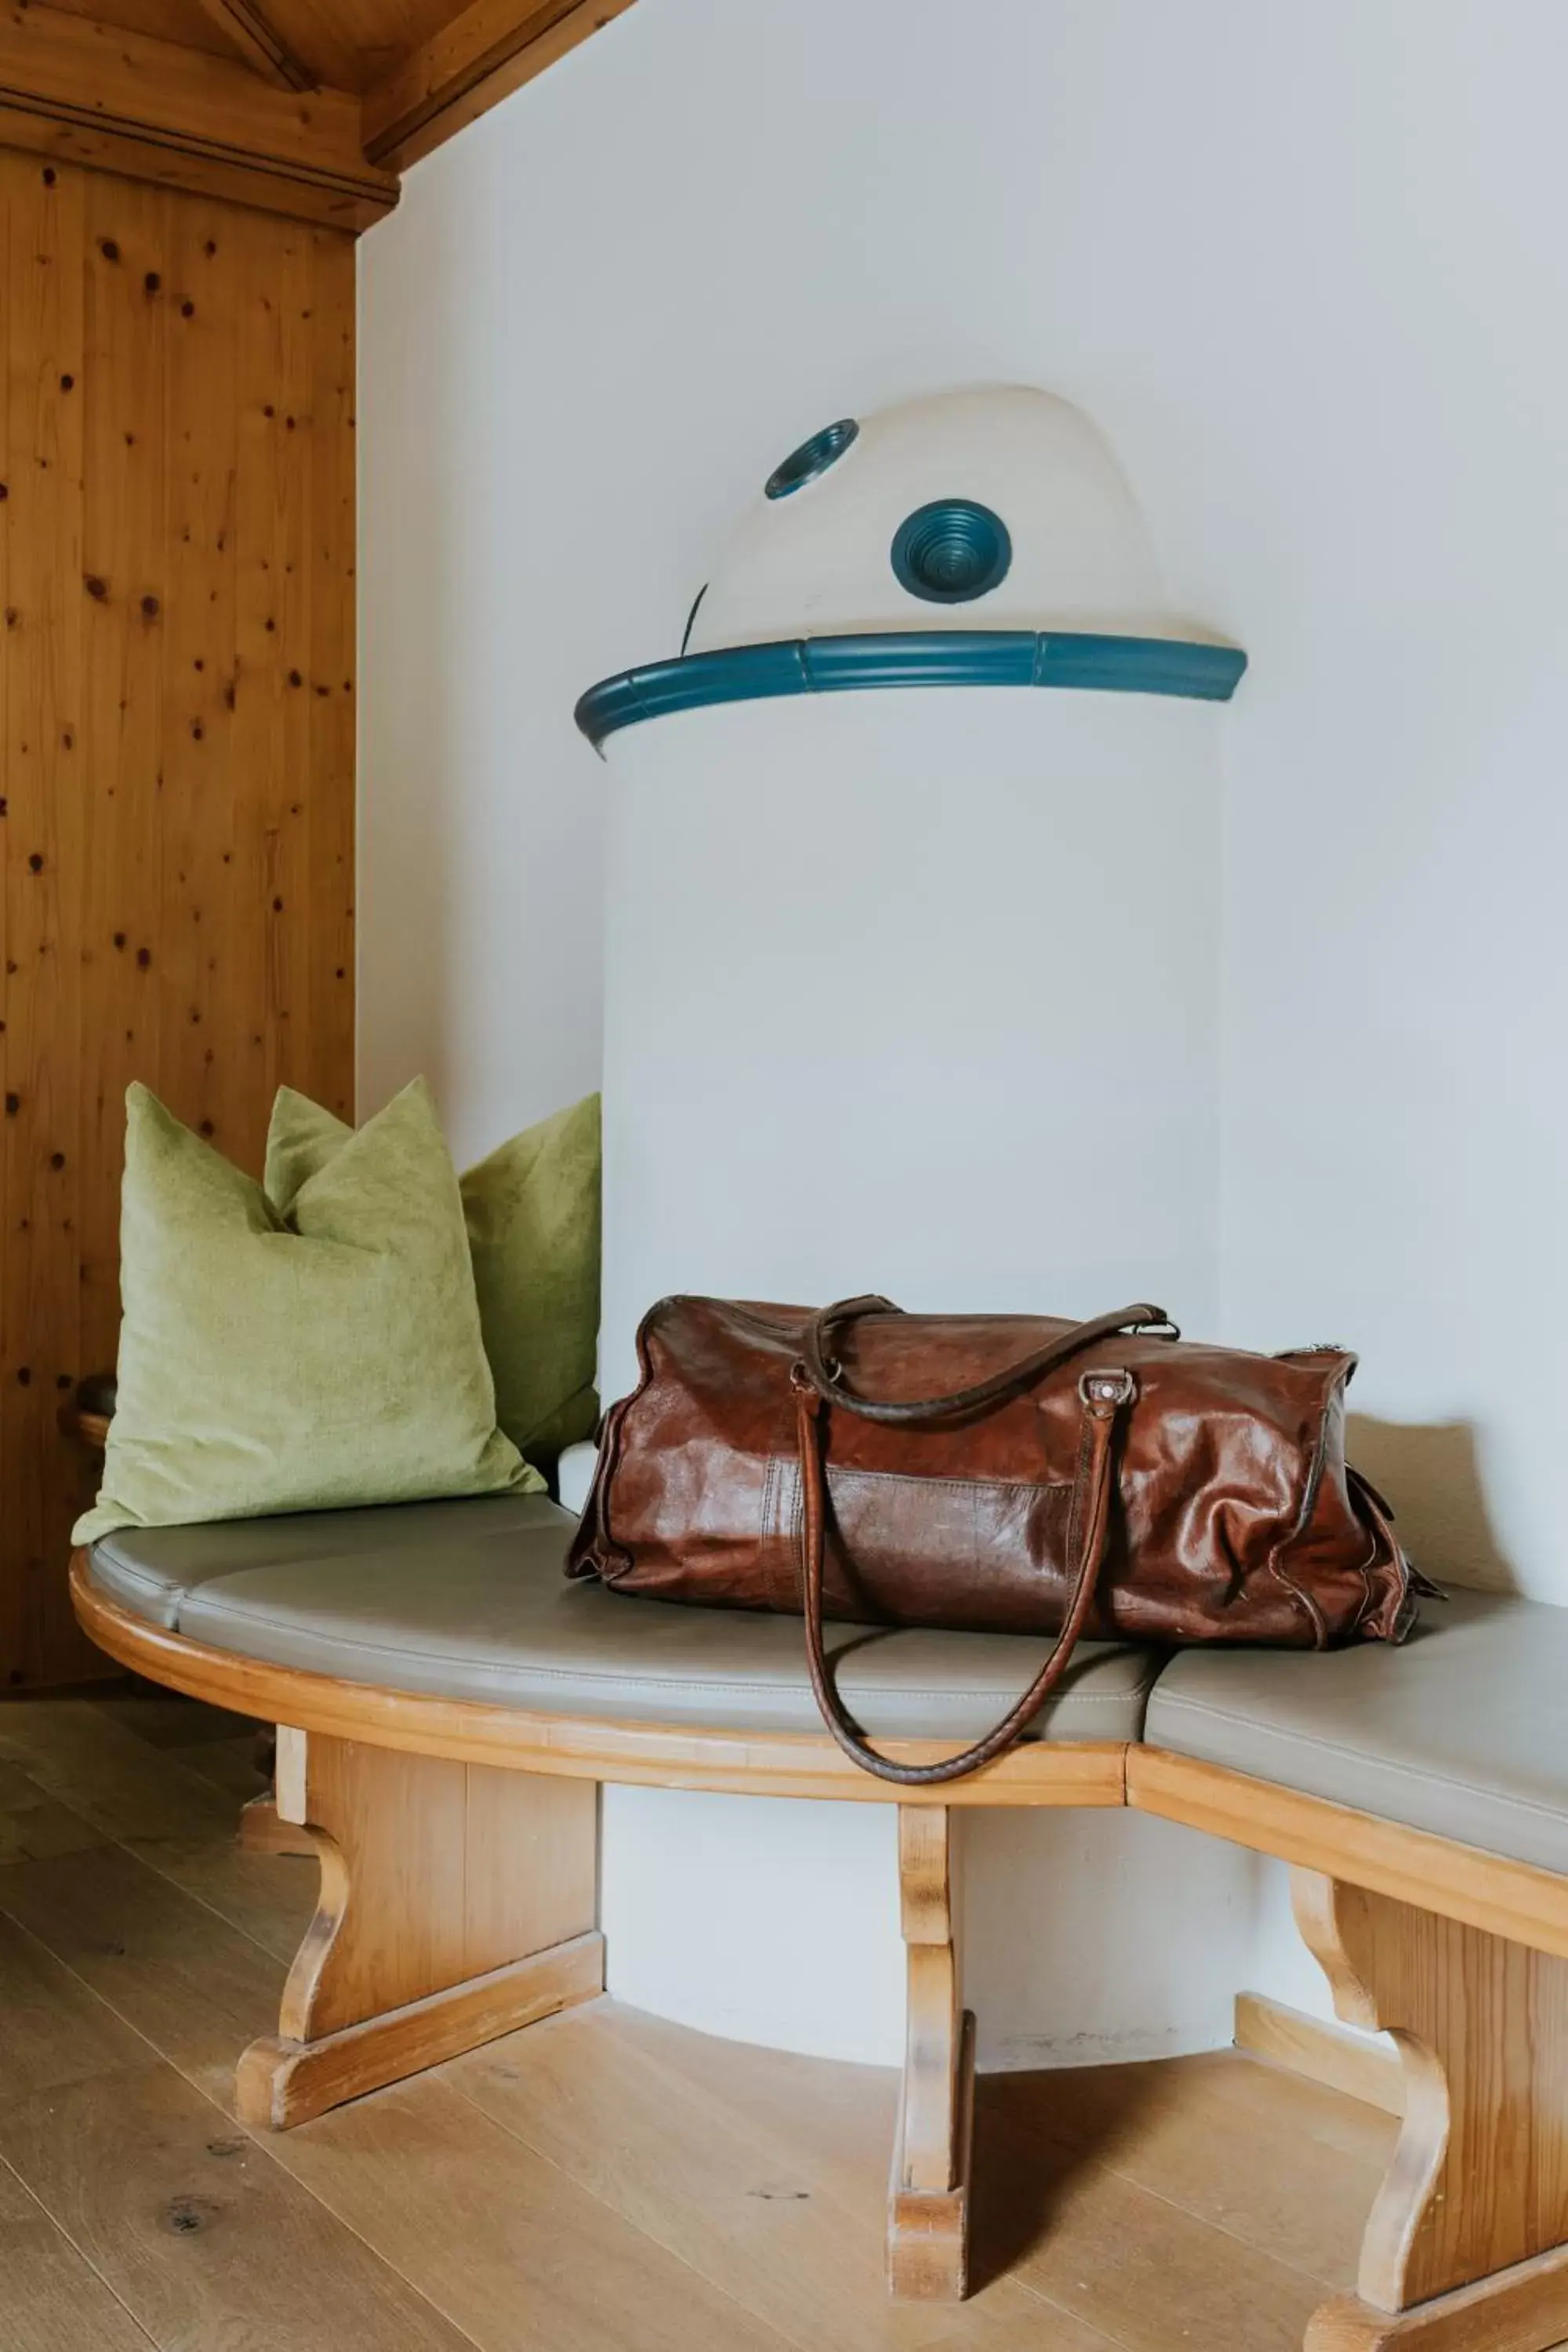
(1235,1518)
(466,1599)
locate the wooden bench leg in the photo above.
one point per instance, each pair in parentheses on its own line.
(457,1901)
(260,1828)
(1464,2251)
(928,2195)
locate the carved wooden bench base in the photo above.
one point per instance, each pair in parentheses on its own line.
(1524,2309)
(280,2084)
(1464,2249)
(457,1903)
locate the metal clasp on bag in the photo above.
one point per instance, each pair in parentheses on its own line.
(1107,1384)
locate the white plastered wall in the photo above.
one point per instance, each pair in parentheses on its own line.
(1305,270)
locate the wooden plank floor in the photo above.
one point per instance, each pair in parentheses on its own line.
(602,2182)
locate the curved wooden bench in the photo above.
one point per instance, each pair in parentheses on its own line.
(456,1823)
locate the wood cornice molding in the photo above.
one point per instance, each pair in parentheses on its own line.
(260,47)
(86,93)
(483,55)
(254,129)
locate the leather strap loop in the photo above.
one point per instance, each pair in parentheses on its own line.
(1106,1394)
(818,1368)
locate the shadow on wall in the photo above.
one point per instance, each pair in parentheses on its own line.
(1431,1475)
(1056,1979)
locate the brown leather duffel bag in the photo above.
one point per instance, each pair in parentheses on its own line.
(989,1473)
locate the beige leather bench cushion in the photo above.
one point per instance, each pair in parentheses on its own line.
(467,1601)
(1463,1731)
(152,1570)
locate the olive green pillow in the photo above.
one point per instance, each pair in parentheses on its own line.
(532,1212)
(306,1353)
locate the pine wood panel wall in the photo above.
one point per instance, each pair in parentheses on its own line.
(176,754)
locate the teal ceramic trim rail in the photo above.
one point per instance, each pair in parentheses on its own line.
(1062,657)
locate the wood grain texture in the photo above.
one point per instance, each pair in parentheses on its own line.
(432,1873)
(34,1825)
(115,1782)
(249,32)
(55,2301)
(55,2032)
(522,2258)
(776,1764)
(458,1901)
(176,696)
(469,64)
(79,91)
(353,44)
(197,1988)
(1273,2160)
(767,2173)
(512,2252)
(341,44)
(928,2189)
(159,2189)
(1521,2310)
(1480,2177)
(1321,2052)
(280,2083)
(663,2127)
(183,21)
(1511,1899)
(695,2193)
(271,1897)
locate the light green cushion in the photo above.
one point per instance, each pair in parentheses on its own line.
(532,1212)
(314,1353)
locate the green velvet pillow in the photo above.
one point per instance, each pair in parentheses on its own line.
(310,1352)
(532,1212)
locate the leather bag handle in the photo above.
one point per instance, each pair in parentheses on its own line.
(825,1374)
(1105,1394)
